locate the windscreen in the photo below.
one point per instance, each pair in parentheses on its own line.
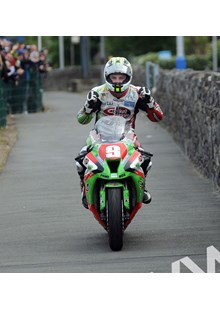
(111,128)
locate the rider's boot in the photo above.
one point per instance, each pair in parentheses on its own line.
(81,171)
(147,196)
(83,193)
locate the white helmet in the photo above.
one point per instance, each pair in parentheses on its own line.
(118,65)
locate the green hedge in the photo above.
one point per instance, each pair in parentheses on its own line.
(196,62)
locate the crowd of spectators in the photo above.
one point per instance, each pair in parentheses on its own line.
(17,60)
(22,69)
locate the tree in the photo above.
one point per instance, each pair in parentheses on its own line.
(134,46)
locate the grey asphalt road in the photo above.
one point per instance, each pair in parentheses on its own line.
(44,228)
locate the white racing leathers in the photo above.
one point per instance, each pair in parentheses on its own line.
(127,106)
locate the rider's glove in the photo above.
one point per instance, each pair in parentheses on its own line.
(145,95)
(92,103)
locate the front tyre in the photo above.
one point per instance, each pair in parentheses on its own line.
(115,218)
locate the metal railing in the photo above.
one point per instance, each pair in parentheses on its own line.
(152,71)
(26,96)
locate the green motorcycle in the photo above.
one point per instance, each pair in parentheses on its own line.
(114,177)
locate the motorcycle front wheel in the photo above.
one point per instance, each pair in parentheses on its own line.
(115,219)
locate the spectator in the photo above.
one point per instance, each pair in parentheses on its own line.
(22,68)
(18,59)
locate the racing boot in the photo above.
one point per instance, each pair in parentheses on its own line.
(84,201)
(81,170)
(147,196)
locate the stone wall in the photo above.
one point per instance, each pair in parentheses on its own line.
(71,79)
(190,101)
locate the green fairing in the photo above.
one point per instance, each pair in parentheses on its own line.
(114,180)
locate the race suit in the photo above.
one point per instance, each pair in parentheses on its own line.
(127,106)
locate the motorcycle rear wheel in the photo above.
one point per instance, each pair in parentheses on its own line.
(115,219)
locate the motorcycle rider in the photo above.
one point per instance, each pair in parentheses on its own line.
(118,97)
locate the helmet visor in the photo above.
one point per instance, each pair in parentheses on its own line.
(117,80)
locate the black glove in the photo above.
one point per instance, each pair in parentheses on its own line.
(145,95)
(92,103)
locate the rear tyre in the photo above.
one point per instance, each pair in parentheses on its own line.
(115,219)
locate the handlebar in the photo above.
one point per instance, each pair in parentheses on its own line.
(144,152)
(89,148)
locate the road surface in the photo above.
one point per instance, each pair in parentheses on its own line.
(44,228)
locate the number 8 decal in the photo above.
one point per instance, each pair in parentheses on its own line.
(113,151)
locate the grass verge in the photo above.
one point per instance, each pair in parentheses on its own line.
(8,137)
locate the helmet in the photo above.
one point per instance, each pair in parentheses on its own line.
(118,65)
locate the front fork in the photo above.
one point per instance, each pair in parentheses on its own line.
(126,202)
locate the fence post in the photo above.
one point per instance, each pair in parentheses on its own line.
(3,106)
(152,71)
